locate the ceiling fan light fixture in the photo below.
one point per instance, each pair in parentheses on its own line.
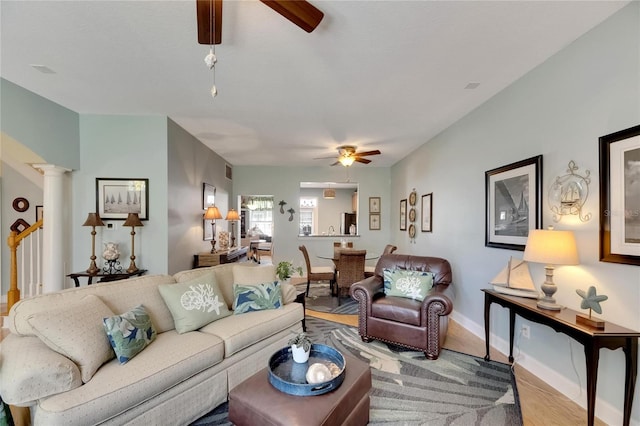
(329,193)
(346,160)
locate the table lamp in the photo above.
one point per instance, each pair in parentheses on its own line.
(132,220)
(551,248)
(93,220)
(232,216)
(212,214)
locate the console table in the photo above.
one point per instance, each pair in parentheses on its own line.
(223,256)
(104,277)
(564,321)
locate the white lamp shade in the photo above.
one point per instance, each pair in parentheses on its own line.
(551,247)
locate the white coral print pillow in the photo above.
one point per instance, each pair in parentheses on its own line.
(410,284)
(194,304)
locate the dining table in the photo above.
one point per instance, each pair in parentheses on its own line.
(335,256)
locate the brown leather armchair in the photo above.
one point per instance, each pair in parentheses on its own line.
(417,325)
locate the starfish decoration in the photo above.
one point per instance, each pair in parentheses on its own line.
(590,300)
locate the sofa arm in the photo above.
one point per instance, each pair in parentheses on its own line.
(29,370)
(439,301)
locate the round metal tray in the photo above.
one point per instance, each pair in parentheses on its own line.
(288,376)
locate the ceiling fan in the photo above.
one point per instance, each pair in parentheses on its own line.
(347,155)
(209,17)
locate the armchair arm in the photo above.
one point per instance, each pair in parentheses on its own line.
(366,289)
(439,301)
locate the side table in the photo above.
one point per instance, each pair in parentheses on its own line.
(103,277)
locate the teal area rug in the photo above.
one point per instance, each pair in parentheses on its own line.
(408,389)
(321,300)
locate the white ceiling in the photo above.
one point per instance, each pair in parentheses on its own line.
(385,75)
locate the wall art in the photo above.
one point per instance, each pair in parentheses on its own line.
(116,198)
(427,206)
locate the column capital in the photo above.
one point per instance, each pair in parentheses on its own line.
(51,169)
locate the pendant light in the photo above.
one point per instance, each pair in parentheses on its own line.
(211,59)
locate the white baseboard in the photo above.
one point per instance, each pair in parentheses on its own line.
(604,411)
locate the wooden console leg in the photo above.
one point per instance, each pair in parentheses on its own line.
(21,415)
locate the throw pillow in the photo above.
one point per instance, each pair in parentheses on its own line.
(129,333)
(249,298)
(76,332)
(194,304)
(410,284)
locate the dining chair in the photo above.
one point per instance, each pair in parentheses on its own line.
(350,269)
(369,270)
(265,248)
(339,244)
(318,273)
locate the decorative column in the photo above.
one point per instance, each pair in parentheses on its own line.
(54,235)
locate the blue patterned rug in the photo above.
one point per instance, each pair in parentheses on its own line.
(321,300)
(408,389)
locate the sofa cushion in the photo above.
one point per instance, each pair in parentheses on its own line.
(410,284)
(243,274)
(119,296)
(75,331)
(36,372)
(116,388)
(129,333)
(194,303)
(258,297)
(241,331)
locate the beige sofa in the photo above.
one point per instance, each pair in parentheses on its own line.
(174,380)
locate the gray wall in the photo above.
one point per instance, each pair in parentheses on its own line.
(590,89)
(190,164)
(132,147)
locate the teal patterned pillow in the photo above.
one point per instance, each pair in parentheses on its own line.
(258,297)
(129,333)
(410,284)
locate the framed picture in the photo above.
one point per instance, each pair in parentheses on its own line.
(208,195)
(403,215)
(513,197)
(39,213)
(207,230)
(374,221)
(116,198)
(426,210)
(620,197)
(374,204)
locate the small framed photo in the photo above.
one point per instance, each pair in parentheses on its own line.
(374,221)
(39,213)
(620,197)
(374,204)
(513,202)
(426,209)
(403,215)
(116,198)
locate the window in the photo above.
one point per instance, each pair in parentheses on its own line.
(308,216)
(263,220)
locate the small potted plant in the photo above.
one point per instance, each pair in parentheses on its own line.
(300,347)
(285,270)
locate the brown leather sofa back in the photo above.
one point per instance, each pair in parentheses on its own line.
(440,267)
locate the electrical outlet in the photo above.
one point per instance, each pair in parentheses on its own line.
(526,331)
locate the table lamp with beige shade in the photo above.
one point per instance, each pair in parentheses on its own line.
(232,216)
(133,220)
(213,214)
(552,248)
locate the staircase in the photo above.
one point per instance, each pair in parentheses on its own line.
(26,259)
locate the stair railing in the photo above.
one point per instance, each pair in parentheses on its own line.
(30,263)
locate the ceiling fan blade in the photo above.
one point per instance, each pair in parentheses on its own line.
(300,12)
(204,17)
(324,158)
(362,160)
(374,152)
(336,163)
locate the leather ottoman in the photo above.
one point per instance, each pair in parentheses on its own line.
(256,402)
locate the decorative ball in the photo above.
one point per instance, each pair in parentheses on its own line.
(318,373)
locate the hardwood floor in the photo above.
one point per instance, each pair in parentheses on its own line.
(541,404)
